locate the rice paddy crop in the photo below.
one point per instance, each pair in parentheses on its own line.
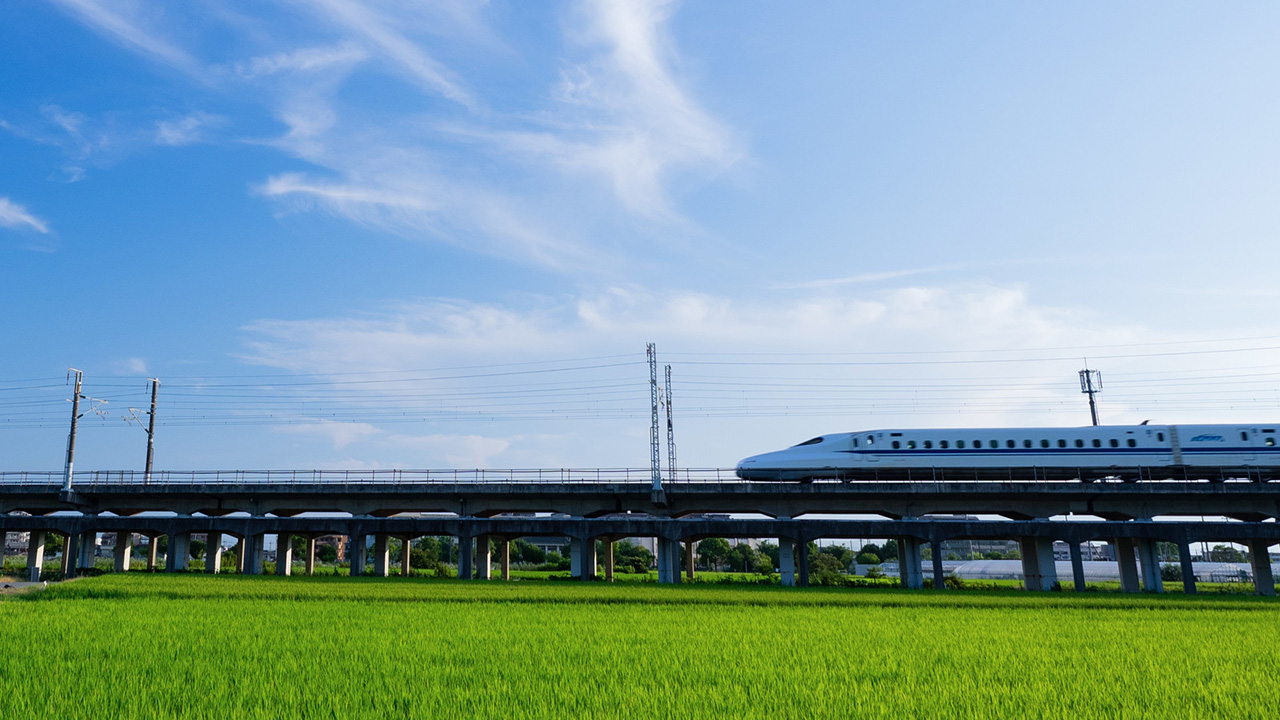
(137,646)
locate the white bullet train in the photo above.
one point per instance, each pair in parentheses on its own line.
(1126,452)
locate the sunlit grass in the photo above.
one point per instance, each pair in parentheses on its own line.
(193,646)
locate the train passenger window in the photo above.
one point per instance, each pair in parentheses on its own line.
(1133,443)
(1062,443)
(960,444)
(1269,442)
(871,440)
(1160,436)
(1010,443)
(896,444)
(1026,443)
(1044,443)
(911,444)
(928,444)
(1115,442)
(1079,443)
(995,444)
(943,444)
(1097,442)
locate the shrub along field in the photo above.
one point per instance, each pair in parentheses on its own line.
(153,646)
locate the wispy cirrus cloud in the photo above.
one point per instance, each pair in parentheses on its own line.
(128,23)
(15,216)
(186,129)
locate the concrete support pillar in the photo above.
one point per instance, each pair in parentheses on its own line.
(153,551)
(909,570)
(688,561)
(88,550)
(381,555)
(250,558)
(1188,571)
(1264,582)
(1077,566)
(803,570)
(214,554)
(1128,566)
(465,566)
(240,553)
(311,556)
(590,560)
(284,555)
(787,561)
(608,559)
(70,551)
(177,557)
(406,562)
(484,558)
(357,554)
(1149,559)
(939,576)
(576,563)
(668,560)
(1039,572)
(124,551)
(35,555)
(504,557)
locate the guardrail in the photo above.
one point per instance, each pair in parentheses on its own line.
(529,476)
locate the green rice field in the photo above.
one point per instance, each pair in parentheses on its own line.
(164,646)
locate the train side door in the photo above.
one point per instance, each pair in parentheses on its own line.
(1246,444)
(873,448)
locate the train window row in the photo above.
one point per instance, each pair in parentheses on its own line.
(995,444)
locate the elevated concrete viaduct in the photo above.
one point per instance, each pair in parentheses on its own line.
(912,534)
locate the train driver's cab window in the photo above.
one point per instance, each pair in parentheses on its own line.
(960,444)
(928,444)
(1079,443)
(1062,443)
(814,441)
(1044,443)
(943,444)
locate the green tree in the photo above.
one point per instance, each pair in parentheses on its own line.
(866,558)
(770,551)
(1226,553)
(714,552)
(632,557)
(889,551)
(197,549)
(824,569)
(326,553)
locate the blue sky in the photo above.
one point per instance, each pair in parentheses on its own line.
(305,216)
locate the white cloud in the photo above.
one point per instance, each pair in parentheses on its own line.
(304,60)
(185,130)
(125,22)
(341,434)
(13,215)
(623,114)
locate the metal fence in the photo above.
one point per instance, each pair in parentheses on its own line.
(530,476)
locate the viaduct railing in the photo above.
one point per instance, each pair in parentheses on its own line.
(527,476)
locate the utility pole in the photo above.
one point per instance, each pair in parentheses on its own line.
(671,432)
(1090,384)
(655,452)
(151,428)
(71,438)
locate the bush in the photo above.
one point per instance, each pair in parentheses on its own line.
(866,558)
(1171,573)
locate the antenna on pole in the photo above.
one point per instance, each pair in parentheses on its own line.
(671,432)
(655,453)
(1091,384)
